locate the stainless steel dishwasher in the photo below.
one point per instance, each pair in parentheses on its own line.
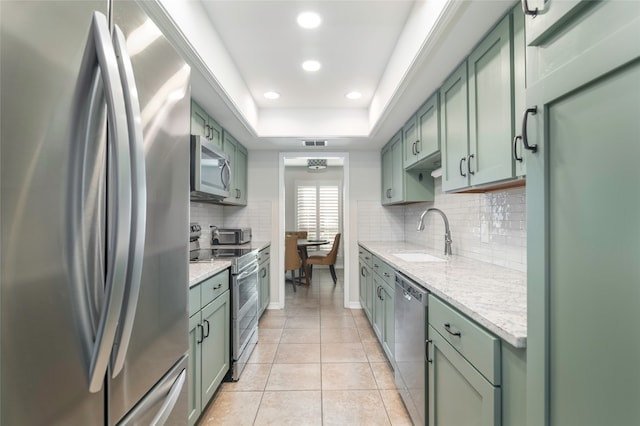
(410,342)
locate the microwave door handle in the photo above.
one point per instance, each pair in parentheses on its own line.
(139,202)
(226,175)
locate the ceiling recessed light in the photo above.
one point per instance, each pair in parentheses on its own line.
(309,20)
(311,66)
(353,95)
(271,95)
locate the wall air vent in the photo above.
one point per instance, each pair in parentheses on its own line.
(314,143)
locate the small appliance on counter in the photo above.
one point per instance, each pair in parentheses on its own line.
(195,230)
(230,236)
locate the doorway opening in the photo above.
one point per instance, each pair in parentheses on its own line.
(314,197)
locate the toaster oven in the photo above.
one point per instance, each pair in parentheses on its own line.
(230,236)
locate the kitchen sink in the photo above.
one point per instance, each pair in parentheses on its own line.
(417,257)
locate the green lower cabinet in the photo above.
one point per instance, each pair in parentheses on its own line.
(215,345)
(209,341)
(458,393)
(366,289)
(194,377)
(514,385)
(264,281)
(383,307)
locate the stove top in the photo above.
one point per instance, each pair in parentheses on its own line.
(240,258)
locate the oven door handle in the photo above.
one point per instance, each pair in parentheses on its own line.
(245,274)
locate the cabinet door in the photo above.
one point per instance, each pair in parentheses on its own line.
(362,285)
(584,203)
(428,118)
(264,286)
(397,173)
(194,381)
(490,95)
(199,121)
(215,346)
(241,162)
(387,174)
(388,331)
(215,132)
(410,138)
(458,394)
(519,88)
(550,15)
(378,307)
(454,128)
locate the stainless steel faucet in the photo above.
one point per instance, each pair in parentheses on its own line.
(447,231)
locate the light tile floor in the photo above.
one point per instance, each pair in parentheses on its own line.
(316,363)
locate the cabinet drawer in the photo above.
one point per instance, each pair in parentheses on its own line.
(385,271)
(264,254)
(213,287)
(366,256)
(194,300)
(478,346)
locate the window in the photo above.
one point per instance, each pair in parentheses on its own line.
(318,209)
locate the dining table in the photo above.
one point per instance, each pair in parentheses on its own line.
(303,244)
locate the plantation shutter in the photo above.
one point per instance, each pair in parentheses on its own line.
(318,209)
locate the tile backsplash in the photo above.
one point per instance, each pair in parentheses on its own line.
(257,215)
(490,227)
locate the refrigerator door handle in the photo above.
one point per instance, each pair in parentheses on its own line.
(101,345)
(170,402)
(167,391)
(139,203)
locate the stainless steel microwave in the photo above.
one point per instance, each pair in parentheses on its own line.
(210,171)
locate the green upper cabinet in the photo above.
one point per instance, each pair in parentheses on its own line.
(454,127)
(547,16)
(204,125)
(199,120)
(490,97)
(422,137)
(479,105)
(399,185)
(583,205)
(519,89)
(238,157)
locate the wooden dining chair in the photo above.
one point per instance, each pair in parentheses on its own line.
(292,259)
(301,235)
(328,259)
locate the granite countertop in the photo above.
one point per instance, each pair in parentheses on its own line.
(200,271)
(493,296)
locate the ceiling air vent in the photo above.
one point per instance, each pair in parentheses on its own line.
(314,143)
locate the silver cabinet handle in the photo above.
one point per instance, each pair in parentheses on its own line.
(207,131)
(527,11)
(525,140)
(469,164)
(460,166)
(208,329)
(139,201)
(218,287)
(418,150)
(426,351)
(100,49)
(514,150)
(414,150)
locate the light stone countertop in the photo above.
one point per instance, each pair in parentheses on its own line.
(200,271)
(493,296)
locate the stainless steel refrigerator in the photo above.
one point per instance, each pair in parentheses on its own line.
(94,154)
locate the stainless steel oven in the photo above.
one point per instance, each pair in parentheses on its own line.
(244,315)
(244,301)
